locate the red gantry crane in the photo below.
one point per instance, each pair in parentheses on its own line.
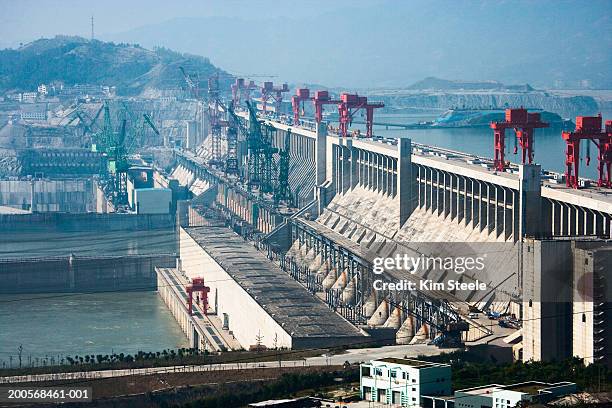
(297,103)
(197,285)
(241,91)
(320,99)
(589,128)
(269,91)
(349,105)
(524,124)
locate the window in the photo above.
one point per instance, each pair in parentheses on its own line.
(378,372)
(413,380)
(404,375)
(392,374)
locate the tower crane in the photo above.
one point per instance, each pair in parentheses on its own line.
(261,166)
(283,190)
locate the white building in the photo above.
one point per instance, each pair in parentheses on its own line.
(42,89)
(403,381)
(507,396)
(29,97)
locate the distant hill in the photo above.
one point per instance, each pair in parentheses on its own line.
(445,84)
(75,60)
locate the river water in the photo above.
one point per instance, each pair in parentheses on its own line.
(70,324)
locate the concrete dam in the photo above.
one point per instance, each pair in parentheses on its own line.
(359,199)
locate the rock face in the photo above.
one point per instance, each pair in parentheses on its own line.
(565,106)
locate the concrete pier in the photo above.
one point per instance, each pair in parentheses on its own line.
(204,329)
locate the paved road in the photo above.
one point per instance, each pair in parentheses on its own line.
(352,356)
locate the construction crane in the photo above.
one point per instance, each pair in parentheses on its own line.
(297,103)
(241,91)
(118,166)
(349,105)
(283,190)
(102,138)
(214,116)
(261,166)
(320,99)
(234,124)
(524,125)
(269,91)
(589,128)
(193,83)
(139,128)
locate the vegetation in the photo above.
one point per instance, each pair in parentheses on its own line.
(286,386)
(142,359)
(75,60)
(471,370)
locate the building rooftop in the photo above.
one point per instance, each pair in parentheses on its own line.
(298,311)
(410,362)
(528,387)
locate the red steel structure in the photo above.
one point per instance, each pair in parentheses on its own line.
(269,91)
(588,128)
(320,99)
(241,91)
(349,105)
(197,285)
(297,103)
(524,125)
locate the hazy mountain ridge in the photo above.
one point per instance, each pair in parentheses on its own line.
(553,44)
(75,60)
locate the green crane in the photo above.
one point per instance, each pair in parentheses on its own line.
(261,165)
(283,191)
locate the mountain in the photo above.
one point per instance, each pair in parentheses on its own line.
(433,83)
(547,43)
(75,60)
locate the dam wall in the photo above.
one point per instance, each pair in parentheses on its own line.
(81,274)
(85,222)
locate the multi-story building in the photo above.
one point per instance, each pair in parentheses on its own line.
(505,396)
(36,111)
(29,97)
(403,381)
(42,89)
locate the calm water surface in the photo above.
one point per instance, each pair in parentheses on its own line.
(70,324)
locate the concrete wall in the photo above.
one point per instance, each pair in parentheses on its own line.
(592,297)
(547,296)
(153,200)
(75,274)
(227,296)
(84,222)
(69,195)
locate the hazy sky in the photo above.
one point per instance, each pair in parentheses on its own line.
(27,20)
(356,43)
